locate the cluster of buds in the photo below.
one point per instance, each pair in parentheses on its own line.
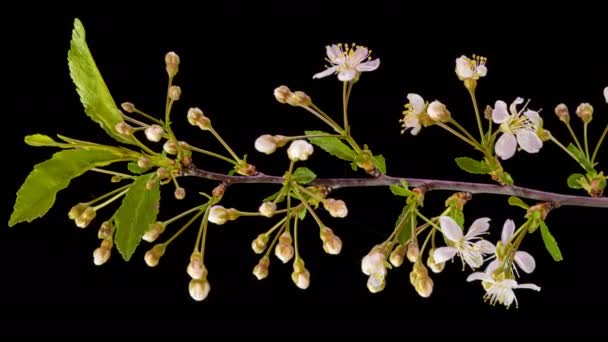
(199,285)
(267,209)
(82,214)
(284,249)
(220,215)
(419,278)
(331,243)
(336,208)
(197,118)
(299,150)
(269,143)
(152,256)
(373,265)
(300,275)
(102,253)
(154,231)
(297,98)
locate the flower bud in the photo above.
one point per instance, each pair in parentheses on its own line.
(107,243)
(123,128)
(424,287)
(175,92)
(336,208)
(285,238)
(154,232)
(284,252)
(438,112)
(246,169)
(260,271)
(128,107)
(436,267)
(162,173)
(397,255)
(376,282)
(172,63)
(101,255)
(299,150)
(266,144)
(487,112)
(199,289)
(86,217)
(413,252)
(197,118)
(259,243)
(333,245)
(585,112)
(154,133)
(105,231)
(143,162)
(170,147)
(218,215)
(301,278)
(282,93)
(77,210)
(180,193)
(196,269)
(152,257)
(299,98)
(267,209)
(561,110)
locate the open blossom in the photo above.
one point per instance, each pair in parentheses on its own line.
(498,289)
(522,259)
(467,68)
(470,247)
(348,61)
(516,129)
(414,115)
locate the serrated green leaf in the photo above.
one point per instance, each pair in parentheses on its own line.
(135,169)
(136,213)
(41,140)
(332,145)
(517,202)
(380,163)
(574,180)
(405,220)
(37,194)
(399,190)
(581,158)
(94,94)
(471,165)
(550,243)
(303,175)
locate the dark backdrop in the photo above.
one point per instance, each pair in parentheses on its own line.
(232,59)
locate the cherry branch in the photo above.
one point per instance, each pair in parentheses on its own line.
(428,184)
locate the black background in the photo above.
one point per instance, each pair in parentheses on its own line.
(232,59)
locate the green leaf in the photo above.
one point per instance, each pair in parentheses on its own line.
(39,140)
(471,165)
(379,163)
(303,175)
(399,190)
(37,194)
(332,145)
(517,202)
(574,180)
(302,213)
(135,169)
(550,243)
(94,94)
(406,221)
(581,158)
(457,215)
(136,213)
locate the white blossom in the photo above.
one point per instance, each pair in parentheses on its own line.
(413,113)
(470,247)
(467,68)
(500,290)
(522,259)
(348,61)
(516,129)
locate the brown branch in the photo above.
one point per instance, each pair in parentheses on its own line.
(428,184)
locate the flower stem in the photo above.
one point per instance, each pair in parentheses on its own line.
(562,147)
(578,144)
(585,138)
(113,173)
(219,138)
(477,114)
(324,117)
(212,154)
(460,136)
(599,142)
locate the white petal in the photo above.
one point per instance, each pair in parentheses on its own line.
(480,226)
(473,259)
(347,75)
(507,231)
(450,228)
(509,283)
(606,94)
(508,296)
(333,52)
(505,146)
(358,56)
(325,72)
(493,266)
(500,113)
(485,246)
(528,286)
(525,261)
(443,254)
(482,70)
(416,127)
(417,103)
(463,67)
(517,102)
(479,276)
(369,66)
(533,117)
(528,140)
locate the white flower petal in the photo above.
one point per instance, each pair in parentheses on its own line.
(480,226)
(325,72)
(528,286)
(505,146)
(486,247)
(533,116)
(482,70)
(369,66)
(346,75)
(413,123)
(417,103)
(473,258)
(463,67)
(500,113)
(479,276)
(525,261)
(507,297)
(606,94)
(358,56)
(333,52)
(507,231)
(443,254)
(450,228)
(493,266)
(513,106)
(528,140)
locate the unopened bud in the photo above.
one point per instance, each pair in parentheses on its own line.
(259,244)
(397,255)
(101,256)
(246,169)
(172,63)
(285,238)
(170,147)
(597,186)
(86,217)
(260,271)
(301,278)
(585,112)
(268,209)
(128,107)
(487,112)
(376,282)
(154,133)
(180,193)
(77,210)
(424,287)
(438,112)
(196,269)
(436,267)
(162,173)
(107,243)
(175,92)
(299,150)
(219,190)
(154,232)
(336,208)
(266,144)
(197,118)
(152,257)
(123,128)
(143,162)
(105,231)
(299,98)
(199,289)
(561,110)
(218,215)
(284,252)
(282,93)
(333,245)
(413,252)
